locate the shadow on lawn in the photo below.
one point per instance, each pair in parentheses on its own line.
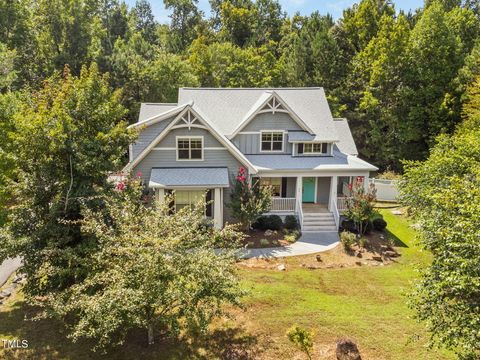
(47,340)
(398,242)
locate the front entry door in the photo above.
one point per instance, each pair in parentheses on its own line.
(308,190)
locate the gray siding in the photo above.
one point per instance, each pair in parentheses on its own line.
(268,121)
(208,139)
(291,186)
(323,190)
(168,158)
(147,134)
(250,144)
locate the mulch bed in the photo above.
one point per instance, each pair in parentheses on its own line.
(372,255)
(254,237)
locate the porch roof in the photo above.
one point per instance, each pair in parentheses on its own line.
(339,161)
(162,177)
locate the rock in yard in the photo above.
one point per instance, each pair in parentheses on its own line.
(377,258)
(358,254)
(319,258)
(281,267)
(268,233)
(391,254)
(359,263)
(347,350)
(397,212)
(5,294)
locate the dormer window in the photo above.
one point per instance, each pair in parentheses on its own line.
(189,148)
(313,148)
(271,141)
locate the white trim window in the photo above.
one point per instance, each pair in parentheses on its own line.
(189,148)
(271,141)
(275,183)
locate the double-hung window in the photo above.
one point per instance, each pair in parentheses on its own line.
(272,141)
(190,148)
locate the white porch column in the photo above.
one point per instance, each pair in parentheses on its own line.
(218,208)
(298,193)
(333,191)
(160,195)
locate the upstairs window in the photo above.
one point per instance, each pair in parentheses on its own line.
(272,141)
(189,148)
(313,148)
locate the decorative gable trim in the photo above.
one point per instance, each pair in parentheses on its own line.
(190,118)
(273,103)
(161,116)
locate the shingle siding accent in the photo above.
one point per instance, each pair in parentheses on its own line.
(170,140)
(147,135)
(268,121)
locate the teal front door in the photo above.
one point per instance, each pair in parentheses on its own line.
(308,190)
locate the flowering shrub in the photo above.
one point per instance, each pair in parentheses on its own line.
(249,200)
(360,205)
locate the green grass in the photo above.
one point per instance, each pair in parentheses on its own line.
(363,303)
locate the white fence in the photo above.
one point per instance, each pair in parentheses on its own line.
(386,189)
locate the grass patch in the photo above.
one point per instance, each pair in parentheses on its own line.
(365,303)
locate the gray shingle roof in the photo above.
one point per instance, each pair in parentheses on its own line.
(346,143)
(198,176)
(148,110)
(227,107)
(338,161)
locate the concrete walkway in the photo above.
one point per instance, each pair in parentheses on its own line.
(7,268)
(309,243)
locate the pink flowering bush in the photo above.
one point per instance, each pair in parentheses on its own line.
(360,206)
(249,200)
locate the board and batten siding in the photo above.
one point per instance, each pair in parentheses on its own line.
(250,143)
(147,135)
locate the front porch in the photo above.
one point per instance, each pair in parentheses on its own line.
(306,196)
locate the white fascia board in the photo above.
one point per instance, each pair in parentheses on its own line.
(159,117)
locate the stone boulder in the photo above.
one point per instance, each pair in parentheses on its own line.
(347,350)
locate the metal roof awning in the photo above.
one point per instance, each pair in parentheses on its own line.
(297,136)
(189,177)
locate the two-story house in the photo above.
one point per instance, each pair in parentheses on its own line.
(286,137)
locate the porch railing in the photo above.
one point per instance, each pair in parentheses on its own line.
(342,203)
(282,204)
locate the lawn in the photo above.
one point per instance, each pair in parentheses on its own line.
(364,303)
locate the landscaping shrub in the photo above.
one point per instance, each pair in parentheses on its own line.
(302,338)
(348,225)
(291,236)
(347,239)
(379,224)
(363,242)
(291,222)
(271,222)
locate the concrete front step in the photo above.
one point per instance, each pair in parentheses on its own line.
(320,221)
(323,229)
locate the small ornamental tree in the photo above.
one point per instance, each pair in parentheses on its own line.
(152,271)
(360,205)
(302,338)
(249,199)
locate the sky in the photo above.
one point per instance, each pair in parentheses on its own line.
(305,7)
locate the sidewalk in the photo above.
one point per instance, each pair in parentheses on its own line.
(309,243)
